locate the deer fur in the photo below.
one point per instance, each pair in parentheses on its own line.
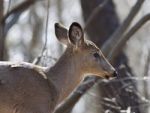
(28,88)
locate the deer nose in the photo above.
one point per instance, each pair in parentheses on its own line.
(115,74)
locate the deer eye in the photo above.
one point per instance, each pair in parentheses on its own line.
(96,55)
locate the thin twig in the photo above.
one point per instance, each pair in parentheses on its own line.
(122,41)
(146,70)
(46,30)
(147,65)
(94,13)
(138,79)
(107,47)
(110,106)
(38,59)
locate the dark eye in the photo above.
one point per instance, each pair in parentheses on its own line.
(96,55)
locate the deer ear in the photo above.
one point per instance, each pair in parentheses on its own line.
(61,33)
(76,35)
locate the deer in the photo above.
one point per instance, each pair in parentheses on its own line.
(29,88)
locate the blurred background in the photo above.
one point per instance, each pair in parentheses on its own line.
(119,27)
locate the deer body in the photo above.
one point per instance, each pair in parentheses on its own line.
(27,88)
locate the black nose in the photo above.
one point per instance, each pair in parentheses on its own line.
(115,74)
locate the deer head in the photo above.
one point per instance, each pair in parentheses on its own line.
(87,56)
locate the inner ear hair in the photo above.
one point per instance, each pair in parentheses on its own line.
(76,34)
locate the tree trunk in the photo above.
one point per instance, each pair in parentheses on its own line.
(103,24)
(99,30)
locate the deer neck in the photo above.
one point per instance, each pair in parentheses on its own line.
(65,74)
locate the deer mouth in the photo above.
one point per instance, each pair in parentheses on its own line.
(114,75)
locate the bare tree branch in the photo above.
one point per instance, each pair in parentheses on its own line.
(1,31)
(9,4)
(118,46)
(120,31)
(67,105)
(94,13)
(12,17)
